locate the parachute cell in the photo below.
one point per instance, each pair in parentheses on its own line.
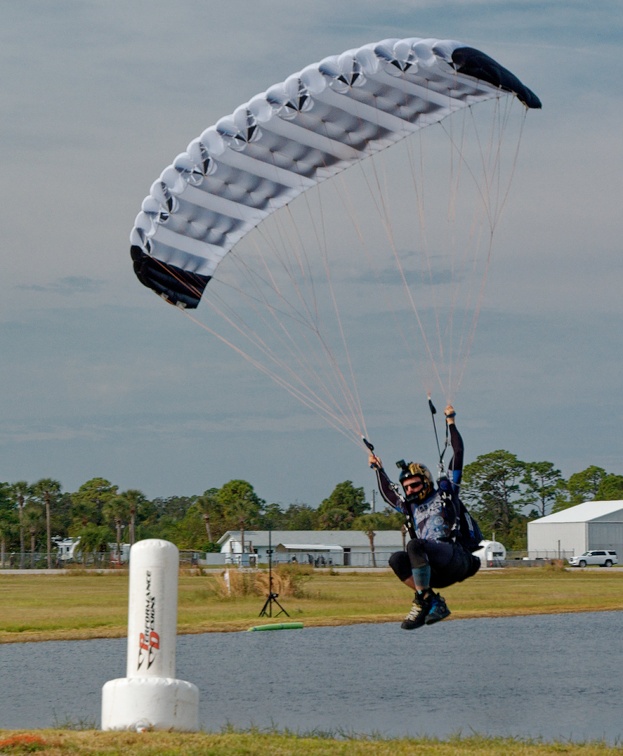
(295,135)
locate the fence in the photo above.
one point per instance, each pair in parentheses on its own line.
(364,559)
(100,560)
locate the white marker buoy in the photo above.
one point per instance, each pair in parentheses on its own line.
(150,698)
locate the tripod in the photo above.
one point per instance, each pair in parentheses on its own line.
(267,609)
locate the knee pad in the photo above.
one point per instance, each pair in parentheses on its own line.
(417,555)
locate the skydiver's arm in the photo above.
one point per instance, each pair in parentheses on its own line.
(456,441)
(387,489)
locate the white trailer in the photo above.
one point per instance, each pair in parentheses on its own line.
(491,554)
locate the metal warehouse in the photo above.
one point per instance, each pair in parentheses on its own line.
(587,526)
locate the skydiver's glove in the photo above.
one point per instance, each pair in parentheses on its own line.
(443,484)
(374,462)
(449,413)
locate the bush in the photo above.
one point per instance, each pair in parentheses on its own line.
(287,580)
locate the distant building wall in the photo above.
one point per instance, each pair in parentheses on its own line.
(550,538)
(606,535)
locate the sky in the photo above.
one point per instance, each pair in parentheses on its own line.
(101,379)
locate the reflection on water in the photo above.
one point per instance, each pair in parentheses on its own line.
(554,676)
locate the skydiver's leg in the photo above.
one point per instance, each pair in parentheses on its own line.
(400,564)
(424,556)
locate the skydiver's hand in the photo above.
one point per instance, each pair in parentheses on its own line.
(450,414)
(375,462)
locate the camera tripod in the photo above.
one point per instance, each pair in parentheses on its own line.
(267,609)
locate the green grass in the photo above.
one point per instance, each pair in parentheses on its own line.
(86,605)
(92,743)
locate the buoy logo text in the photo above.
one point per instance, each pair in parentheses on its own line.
(149,640)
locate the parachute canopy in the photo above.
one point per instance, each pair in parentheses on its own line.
(295,135)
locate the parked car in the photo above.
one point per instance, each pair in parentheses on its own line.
(603,558)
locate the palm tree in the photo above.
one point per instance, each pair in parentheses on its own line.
(20,491)
(368,523)
(208,504)
(93,539)
(134,499)
(47,491)
(241,505)
(117,510)
(32,523)
(7,529)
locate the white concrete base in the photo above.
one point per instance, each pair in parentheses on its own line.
(150,703)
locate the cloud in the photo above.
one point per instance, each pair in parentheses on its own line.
(66,286)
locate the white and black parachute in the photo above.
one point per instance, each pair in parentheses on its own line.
(331,116)
(298,133)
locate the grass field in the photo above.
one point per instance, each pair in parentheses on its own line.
(84,605)
(90,743)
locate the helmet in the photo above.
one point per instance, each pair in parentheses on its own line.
(413,470)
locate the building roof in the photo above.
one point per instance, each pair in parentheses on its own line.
(309,547)
(326,538)
(586,512)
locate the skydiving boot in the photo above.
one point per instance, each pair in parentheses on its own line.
(438,609)
(417,616)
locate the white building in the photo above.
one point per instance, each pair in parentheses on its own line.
(317,547)
(587,526)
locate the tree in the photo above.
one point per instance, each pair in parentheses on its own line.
(19,492)
(88,502)
(334,518)
(93,539)
(584,485)
(543,486)
(117,510)
(300,517)
(33,521)
(8,521)
(211,512)
(135,501)
(610,488)
(241,506)
(491,489)
(369,524)
(343,506)
(272,517)
(47,491)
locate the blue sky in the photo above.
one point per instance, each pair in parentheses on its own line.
(99,378)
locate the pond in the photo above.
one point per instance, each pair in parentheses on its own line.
(549,676)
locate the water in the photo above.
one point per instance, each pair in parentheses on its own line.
(550,677)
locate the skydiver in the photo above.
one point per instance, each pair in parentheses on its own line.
(434,558)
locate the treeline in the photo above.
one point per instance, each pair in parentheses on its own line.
(503,493)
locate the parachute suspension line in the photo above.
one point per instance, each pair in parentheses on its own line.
(301,377)
(279,330)
(348,390)
(341,385)
(493,190)
(295,265)
(351,212)
(306,396)
(310,321)
(351,391)
(379,198)
(418,175)
(403,277)
(461,251)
